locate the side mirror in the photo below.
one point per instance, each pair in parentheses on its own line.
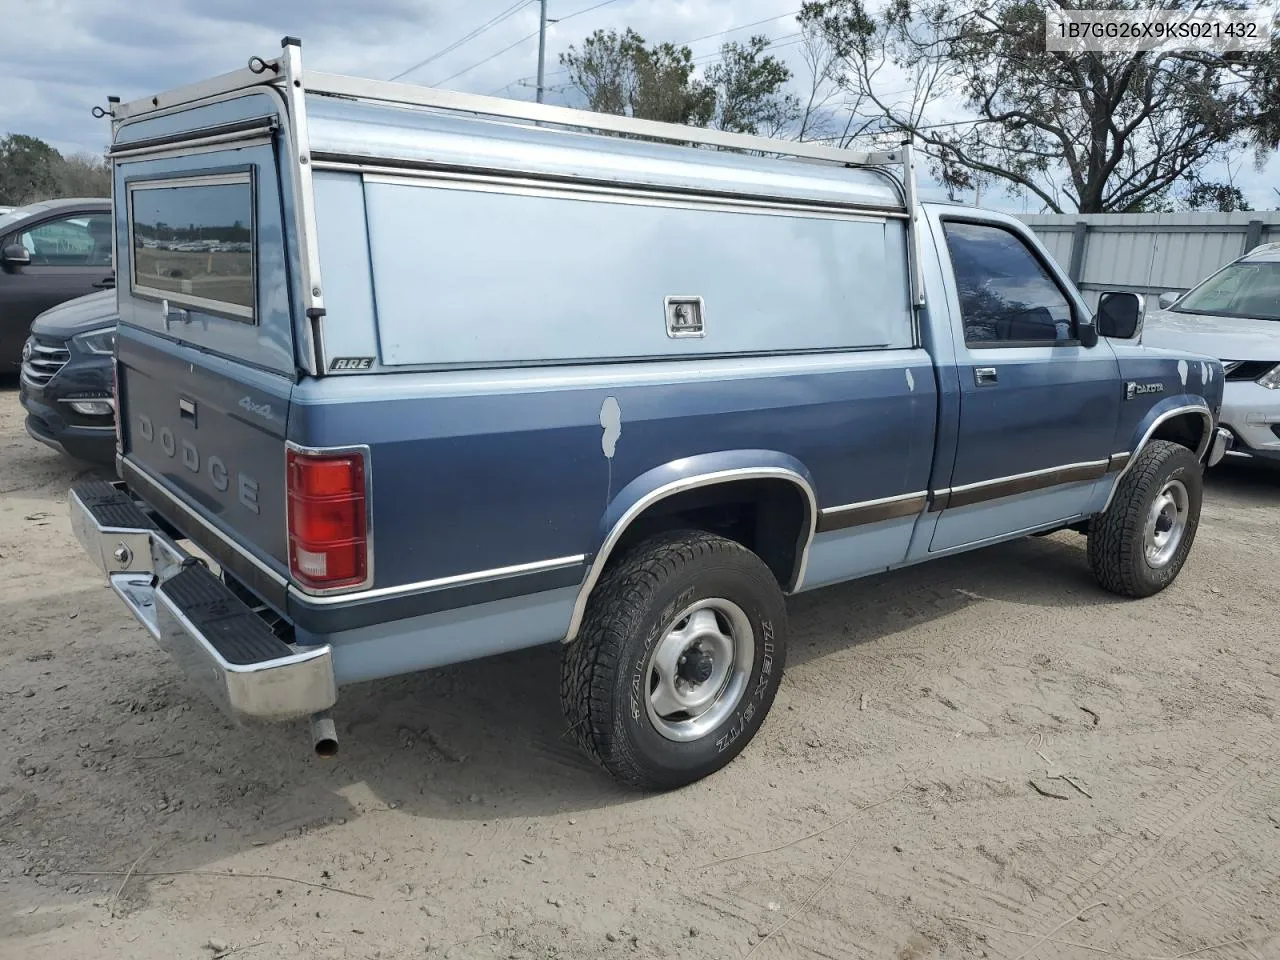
(14,257)
(1168,299)
(1088,334)
(1119,315)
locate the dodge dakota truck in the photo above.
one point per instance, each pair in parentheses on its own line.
(407,377)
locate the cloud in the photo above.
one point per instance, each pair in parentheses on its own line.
(60,58)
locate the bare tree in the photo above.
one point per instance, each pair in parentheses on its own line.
(1092,132)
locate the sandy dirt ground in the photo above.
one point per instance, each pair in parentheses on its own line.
(982,757)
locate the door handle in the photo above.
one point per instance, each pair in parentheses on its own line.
(985,376)
(107,283)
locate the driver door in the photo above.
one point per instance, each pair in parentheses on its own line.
(1038,410)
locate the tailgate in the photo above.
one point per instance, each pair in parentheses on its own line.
(207,436)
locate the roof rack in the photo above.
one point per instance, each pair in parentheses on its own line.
(286,73)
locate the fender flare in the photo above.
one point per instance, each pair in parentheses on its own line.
(1162,412)
(689,473)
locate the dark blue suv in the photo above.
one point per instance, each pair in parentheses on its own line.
(67,377)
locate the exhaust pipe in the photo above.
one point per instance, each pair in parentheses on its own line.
(324,735)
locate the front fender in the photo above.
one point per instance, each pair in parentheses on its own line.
(1181,405)
(688,473)
(1186,404)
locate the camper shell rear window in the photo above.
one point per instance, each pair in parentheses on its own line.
(193,242)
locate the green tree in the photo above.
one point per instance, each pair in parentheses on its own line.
(28,170)
(749,85)
(619,74)
(1093,132)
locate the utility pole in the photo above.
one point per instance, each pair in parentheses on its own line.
(542,48)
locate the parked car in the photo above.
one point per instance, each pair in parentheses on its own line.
(484,384)
(50,252)
(1235,315)
(67,379)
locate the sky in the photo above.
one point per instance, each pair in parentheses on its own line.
(60,58)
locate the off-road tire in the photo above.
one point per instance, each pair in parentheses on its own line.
(627,613)
(1116,538)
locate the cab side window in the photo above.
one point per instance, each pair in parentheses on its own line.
(1006,296)
(81,240)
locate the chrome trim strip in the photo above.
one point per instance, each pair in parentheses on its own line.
(191,148)
(297,141)
(457,580)
(968,494)
(158,490)
(1203,448)
(679,486)
(366,454)
(1117,461)
(248,134)
(484,181)
(871,511)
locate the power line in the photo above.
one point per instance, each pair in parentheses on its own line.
(741,26)
(578,13)
(604,3)
(492,56)
(509,12)
(773,45)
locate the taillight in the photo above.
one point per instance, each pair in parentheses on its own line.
(328,531)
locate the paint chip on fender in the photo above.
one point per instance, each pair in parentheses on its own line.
(611,420)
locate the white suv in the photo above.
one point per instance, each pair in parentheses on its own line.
(1234,315)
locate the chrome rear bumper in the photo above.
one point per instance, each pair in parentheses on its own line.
(220,643)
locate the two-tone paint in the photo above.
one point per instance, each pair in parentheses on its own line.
(506,470)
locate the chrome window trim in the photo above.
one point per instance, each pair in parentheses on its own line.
(204,304)
(485,181)
(1201,450)
(968,494)
(346,592)
(871,511)
(679,486)
(455,580)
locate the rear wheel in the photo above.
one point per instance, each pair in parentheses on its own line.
(1139,545)
(678,659)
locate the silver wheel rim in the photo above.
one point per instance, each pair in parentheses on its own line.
(699,669)
(1166,524)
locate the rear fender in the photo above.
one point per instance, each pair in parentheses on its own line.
(689,473)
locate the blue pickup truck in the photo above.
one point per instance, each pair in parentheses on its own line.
(407,377)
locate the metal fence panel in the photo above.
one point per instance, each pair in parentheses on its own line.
(1149,253)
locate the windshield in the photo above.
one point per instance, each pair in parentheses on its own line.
(1247,290)
(13,216)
